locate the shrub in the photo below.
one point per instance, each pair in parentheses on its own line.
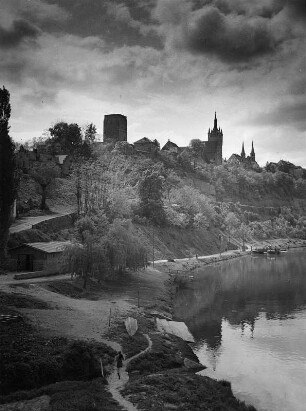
(153,362)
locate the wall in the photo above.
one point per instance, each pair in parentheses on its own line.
(55,224)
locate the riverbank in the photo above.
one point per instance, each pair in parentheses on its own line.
(97,314)
(184,266)
(152,380)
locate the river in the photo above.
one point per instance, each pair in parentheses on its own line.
(248,318)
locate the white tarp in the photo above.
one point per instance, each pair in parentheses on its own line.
(179,329)
(131,326)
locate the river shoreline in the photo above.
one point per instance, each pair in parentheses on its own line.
(184,268)
(187,265)
(156,377)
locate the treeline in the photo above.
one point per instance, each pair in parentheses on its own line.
(64,138)
(239,183)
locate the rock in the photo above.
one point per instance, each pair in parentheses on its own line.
(192,365)
(168,406)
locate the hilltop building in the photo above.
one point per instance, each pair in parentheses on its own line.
(171,147)
(243,159)
(213,147)
(146,146)
(115,128)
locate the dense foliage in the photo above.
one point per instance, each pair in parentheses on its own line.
(151,203)
(7,173)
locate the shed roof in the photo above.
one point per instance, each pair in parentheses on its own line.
(51,247)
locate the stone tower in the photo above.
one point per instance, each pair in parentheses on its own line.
(115,128)
(213,147)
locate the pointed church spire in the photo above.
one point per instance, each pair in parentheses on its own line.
(252,153)
(215,121)
(242,151)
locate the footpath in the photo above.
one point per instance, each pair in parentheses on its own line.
(115,385)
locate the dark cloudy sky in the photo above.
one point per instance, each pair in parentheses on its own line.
(166,64)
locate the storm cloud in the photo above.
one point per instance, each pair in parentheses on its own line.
(232,31)
(20,30)
(233,38)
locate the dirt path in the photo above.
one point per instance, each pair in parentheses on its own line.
(72,318)
(87,319)
(116,384)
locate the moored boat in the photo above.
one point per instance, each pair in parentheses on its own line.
(258,251)
(273,251)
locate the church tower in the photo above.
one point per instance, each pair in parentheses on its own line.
(242,152)
(213,147)
(252,155)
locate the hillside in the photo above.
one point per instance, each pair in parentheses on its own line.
(203,207)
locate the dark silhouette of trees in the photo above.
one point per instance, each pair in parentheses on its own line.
(65,138)
(7,173)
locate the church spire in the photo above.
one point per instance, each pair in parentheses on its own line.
(215,122)
(252,153)
(242,151)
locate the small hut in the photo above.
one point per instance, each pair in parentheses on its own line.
(38,256)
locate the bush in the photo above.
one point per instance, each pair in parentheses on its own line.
(153,362)
(80,362)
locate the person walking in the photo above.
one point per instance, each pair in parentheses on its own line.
(119,362)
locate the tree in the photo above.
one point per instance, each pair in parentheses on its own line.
(65,137)
(45,174)
(104,249)
(90,133)
(7,173)
(151,197)
(91,227)
(86,260)
(124,247)
(196,147)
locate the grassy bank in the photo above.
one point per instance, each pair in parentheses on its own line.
(162,380)
(31,362)
(64,396)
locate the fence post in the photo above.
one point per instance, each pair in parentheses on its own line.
(102,371)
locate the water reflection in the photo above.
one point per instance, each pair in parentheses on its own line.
(248,317)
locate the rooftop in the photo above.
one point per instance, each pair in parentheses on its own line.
(51,247)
